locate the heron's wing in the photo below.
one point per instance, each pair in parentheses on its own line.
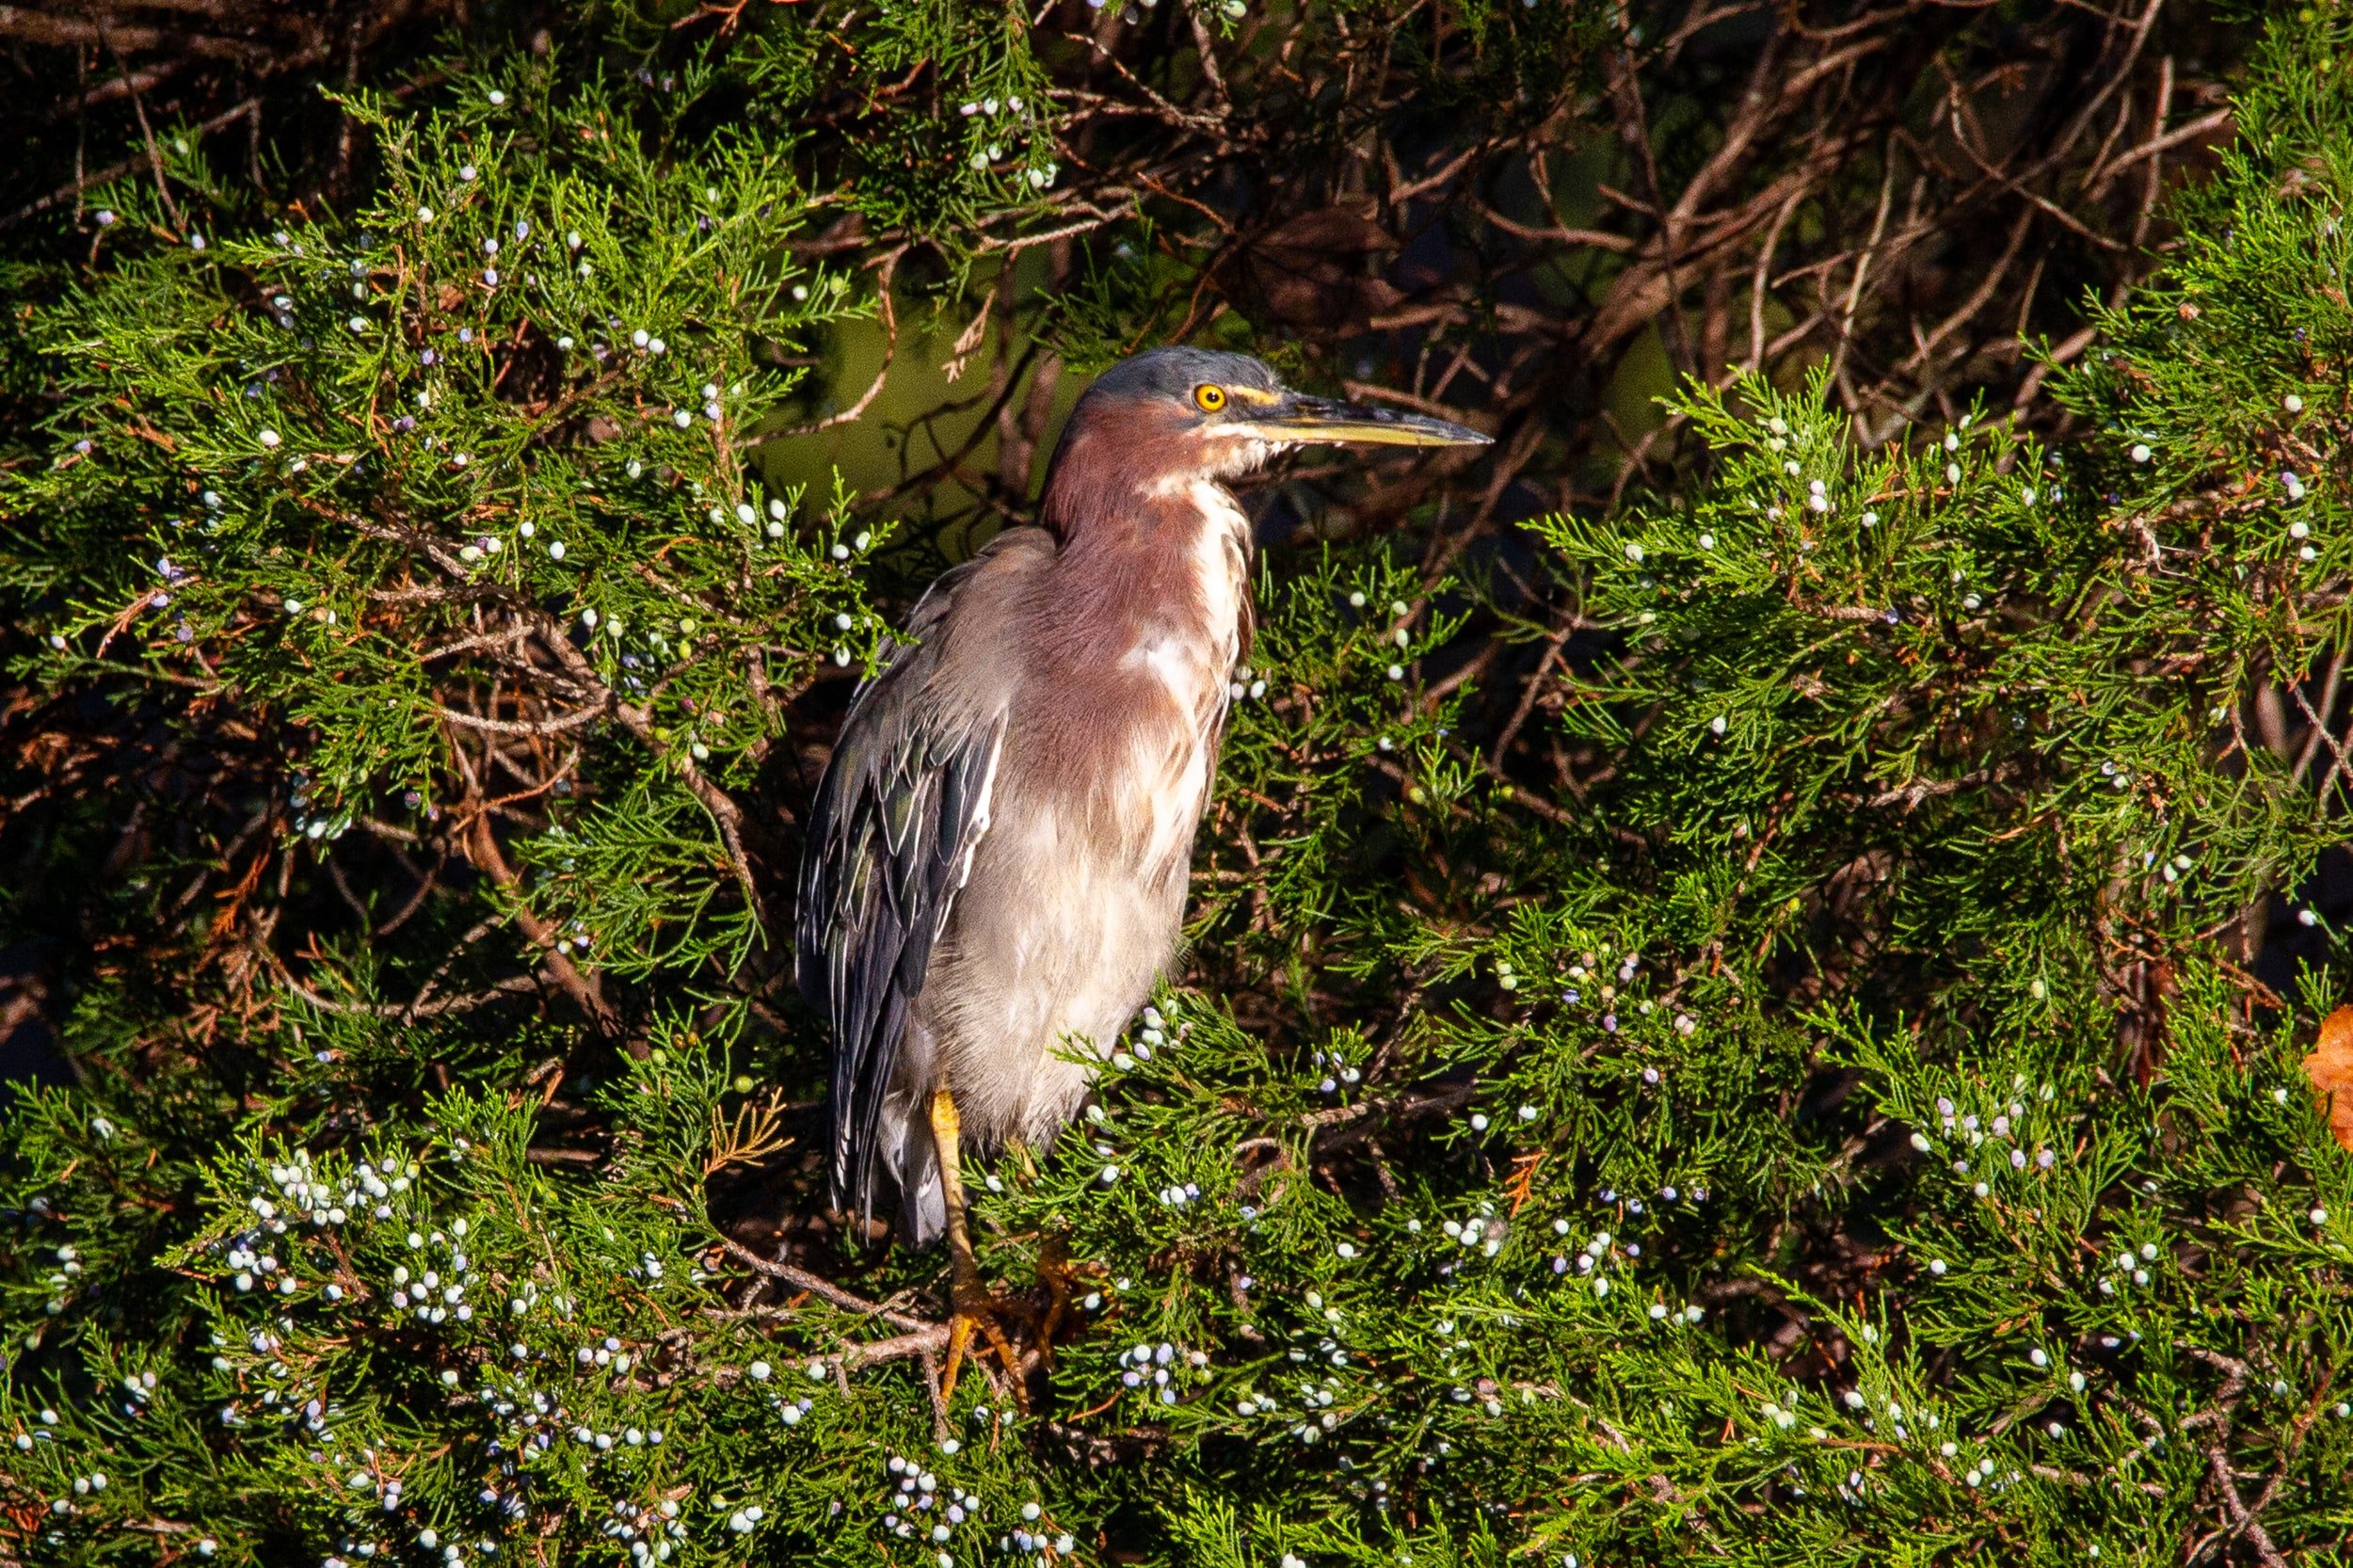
(902,805)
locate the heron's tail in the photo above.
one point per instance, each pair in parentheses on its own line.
(909,1159)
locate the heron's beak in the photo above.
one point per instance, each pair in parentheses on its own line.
(1294,417)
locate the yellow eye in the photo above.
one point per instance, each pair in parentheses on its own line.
(1208,398)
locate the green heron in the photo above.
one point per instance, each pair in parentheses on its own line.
(998,855)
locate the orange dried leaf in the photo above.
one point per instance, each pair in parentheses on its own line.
(2331,1068)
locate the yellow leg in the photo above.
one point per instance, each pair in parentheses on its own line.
(967,1296)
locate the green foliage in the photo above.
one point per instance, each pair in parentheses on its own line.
(472,460)
(1838,1130)
(512,394)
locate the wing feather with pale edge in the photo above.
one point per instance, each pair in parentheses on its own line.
(902,807)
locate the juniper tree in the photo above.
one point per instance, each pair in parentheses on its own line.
(1789,1085)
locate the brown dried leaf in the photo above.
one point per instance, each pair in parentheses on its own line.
(1323,267)
(2331,1068)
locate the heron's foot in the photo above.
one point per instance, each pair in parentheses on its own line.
(973,1310)
(1056,1272)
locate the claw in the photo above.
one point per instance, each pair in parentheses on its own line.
(959,1336)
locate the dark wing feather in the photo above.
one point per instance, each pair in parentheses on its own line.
(897,816)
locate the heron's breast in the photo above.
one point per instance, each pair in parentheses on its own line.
(1186,628)
(1220,558)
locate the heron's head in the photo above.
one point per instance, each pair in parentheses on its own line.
(1175,415)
